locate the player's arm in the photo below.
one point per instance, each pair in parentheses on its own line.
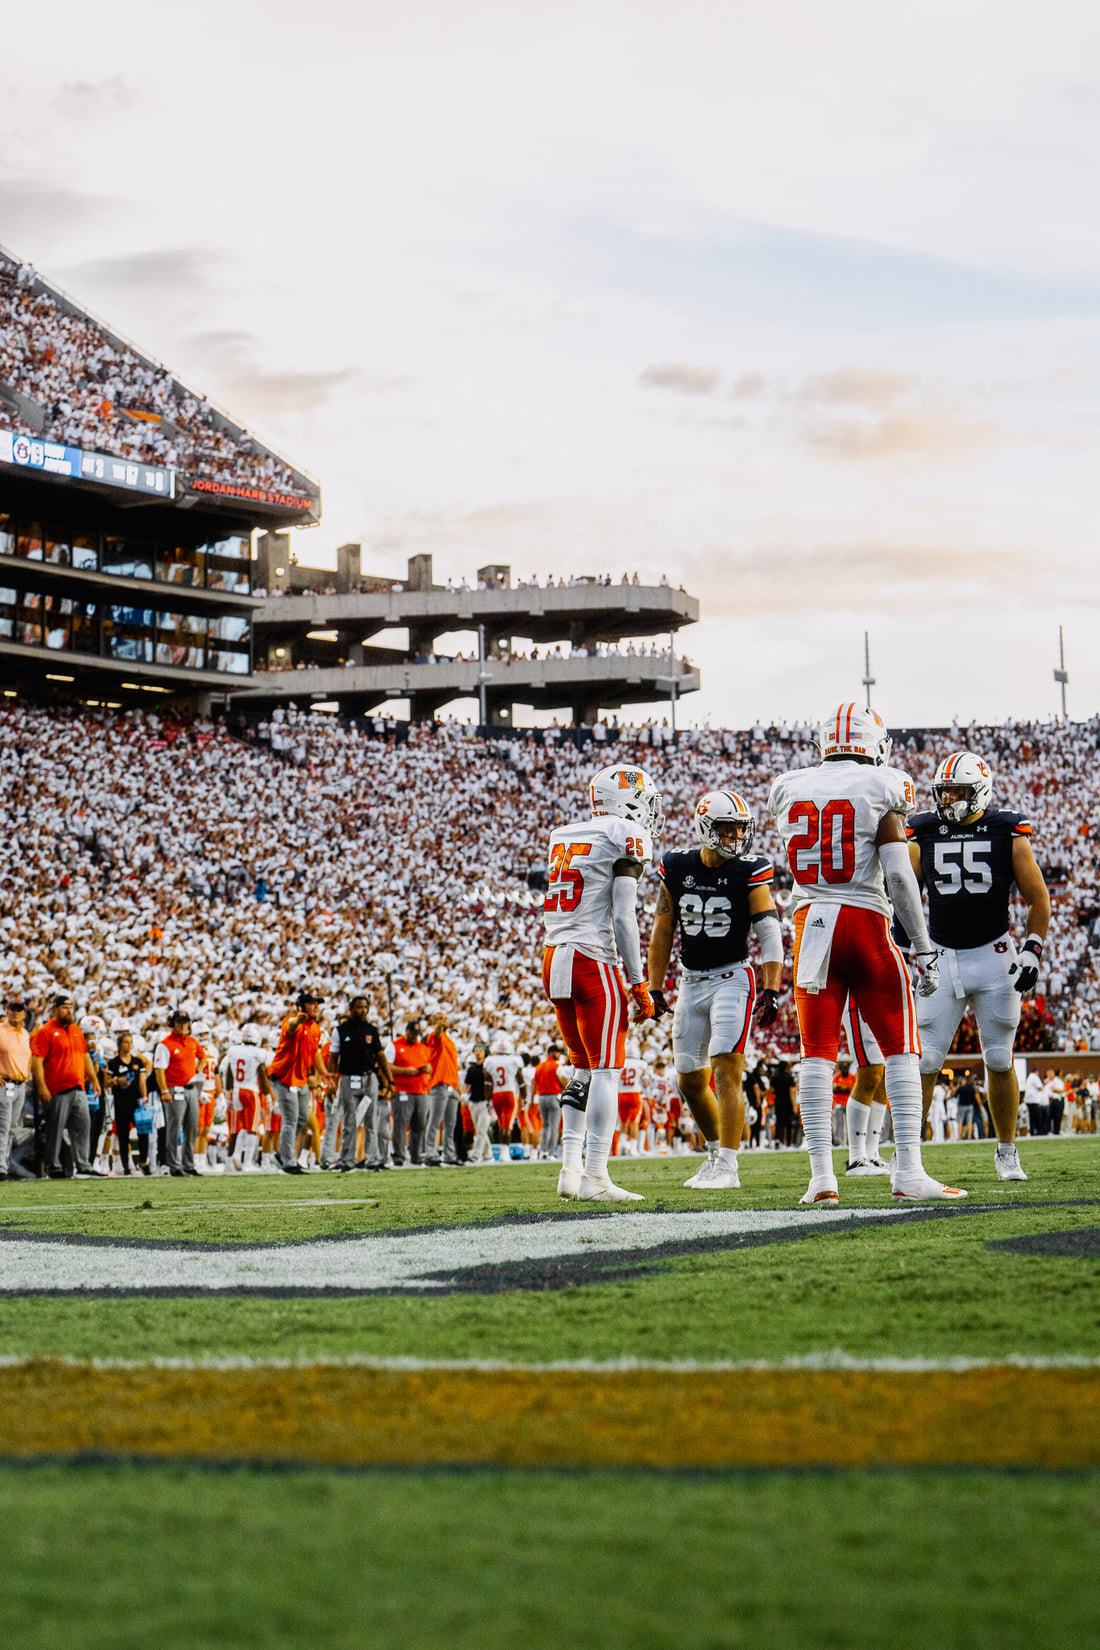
(660,950)
(914,860)
(625,876)
(769,934)
(904,892)
(1033,890)
(264,1081)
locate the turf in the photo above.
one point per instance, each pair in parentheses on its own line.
(120,1557)
(930,1289)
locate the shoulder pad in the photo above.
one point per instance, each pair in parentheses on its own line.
(1017,824)
(920,822)
(758,872)
(899,791)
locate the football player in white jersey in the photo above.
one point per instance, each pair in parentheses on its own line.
(591,922)
(505,1069)
(842,825)
(244,1074)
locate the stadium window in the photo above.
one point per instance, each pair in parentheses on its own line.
(86,551)
(28,618)
(58,549)
(228,648)
(126,558)
(57,614)
(8,600)
(228,566)
(128,633)
(85,627)
(28,541)
(181,640)
(7,535)
(180,565)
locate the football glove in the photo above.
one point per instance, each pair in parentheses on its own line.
(926,972)
(644,1006)
(661,1003)
(1026,966)
(767,1008)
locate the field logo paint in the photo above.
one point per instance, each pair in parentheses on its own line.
(547,1252)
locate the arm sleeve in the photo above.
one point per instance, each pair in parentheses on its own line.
(624,920)
(769,932)
(901,885)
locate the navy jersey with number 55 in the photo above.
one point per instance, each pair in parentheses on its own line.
(967,871)
(712,906)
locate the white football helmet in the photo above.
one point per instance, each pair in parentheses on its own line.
(851,730)
(503,1045)
(965,771)
(93,1025)
(724,808)
(251,1034)
(629,793)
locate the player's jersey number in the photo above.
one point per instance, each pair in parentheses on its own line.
(629,1080)
(239,1072)
(710,917)
(826,845)
(566,880)
(960,867)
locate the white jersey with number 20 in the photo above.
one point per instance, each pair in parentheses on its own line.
(577,907)
(828,818)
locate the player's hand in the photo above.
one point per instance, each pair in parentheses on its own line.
(767,1008)
(1026,967)
(644,1006)
(926,972)
(661,1003)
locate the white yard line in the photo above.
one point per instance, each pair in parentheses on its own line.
(837,1360)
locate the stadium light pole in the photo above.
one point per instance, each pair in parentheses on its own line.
(868,679)
(387,964)
(483,675)
(1061,675)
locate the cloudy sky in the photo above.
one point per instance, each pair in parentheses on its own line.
(796,303)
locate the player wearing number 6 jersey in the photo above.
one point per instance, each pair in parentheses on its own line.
(842,827)
(716,895)
(589,911)
(968,856)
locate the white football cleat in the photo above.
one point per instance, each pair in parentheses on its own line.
(569,1183)
(702,1175)
(923,1189)
(1007,1159)
(602,1189)
(724,1177)
(865,1167)
(822,1193)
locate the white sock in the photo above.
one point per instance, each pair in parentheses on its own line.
(711,1145)
(603,1116)
(572,1138)
(903,1089)
(874,1128)
(858,1117)
(728,1154)
(815,1095)
(251,1141)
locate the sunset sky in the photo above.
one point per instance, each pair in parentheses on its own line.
(798,304)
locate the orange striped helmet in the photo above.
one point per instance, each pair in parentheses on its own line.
(723,810)
(851,730)
(967,772)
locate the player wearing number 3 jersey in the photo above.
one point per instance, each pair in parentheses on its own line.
(589,911)
(842,827)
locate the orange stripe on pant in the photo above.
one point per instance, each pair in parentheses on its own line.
(866,963)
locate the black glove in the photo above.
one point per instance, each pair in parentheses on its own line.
(767,1008)
(660,1003)
(1026,966)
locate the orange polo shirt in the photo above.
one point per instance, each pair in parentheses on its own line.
(185,1056)
(546,1079)
(61,1050)
(411,1054)
(444,1058)
(293,1059)
(15,1053)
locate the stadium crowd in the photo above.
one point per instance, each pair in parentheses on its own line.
(147,863)
(97,394)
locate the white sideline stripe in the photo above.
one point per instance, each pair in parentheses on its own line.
(184,1208)
(824,1361)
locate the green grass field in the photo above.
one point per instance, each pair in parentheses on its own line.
(102,1553)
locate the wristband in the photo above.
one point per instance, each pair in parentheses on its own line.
(1033,944)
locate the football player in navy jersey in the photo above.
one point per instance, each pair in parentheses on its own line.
(968,856)
(714,894)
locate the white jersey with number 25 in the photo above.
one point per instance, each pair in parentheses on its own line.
(577,907)
(828,818)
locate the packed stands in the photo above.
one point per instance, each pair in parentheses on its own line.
(64,379)
(146,863)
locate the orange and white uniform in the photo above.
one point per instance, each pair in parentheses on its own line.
(828,818)
(242,1063)
(503,1072)
(631,1081)
(580,971)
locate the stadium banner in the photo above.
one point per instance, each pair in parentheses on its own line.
(251,494)
(124,472)
(33,454)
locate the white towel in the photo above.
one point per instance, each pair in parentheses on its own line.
(817,947)
(561,972)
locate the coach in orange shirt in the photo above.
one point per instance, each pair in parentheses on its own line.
(176,1059)
(411,1067)
(546,1089)
(296,1059)
(61,1067)
(443,1096)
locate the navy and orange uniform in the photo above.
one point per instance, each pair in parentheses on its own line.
(712,906)
(967,870)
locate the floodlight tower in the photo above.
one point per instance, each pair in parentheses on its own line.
(868,679)
(1061,675)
